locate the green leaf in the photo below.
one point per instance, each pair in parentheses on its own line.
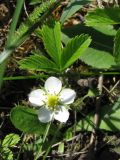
(102,37)
(38,62)
(93,92)
(68,134)
(74,49)
(108,30)
(10,140)
(98,59)
(6,154)
(106,16)
(52,40)
(72,7)
(110,117)
(61,147)
(117,47)
(26,120)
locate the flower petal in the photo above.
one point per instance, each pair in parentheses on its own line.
(62,114)
(53,85)
(44,115)
(67,96)
(37,97)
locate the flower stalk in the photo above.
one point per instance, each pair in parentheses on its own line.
(49,148)
(44,138)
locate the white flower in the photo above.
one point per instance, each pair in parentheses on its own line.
(52,100)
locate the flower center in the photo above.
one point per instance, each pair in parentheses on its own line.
(52,101)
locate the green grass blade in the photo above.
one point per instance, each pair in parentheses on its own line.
(5,54)
(72,7)
(2,69)
(14,21)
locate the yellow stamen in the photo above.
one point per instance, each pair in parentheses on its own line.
(52,101)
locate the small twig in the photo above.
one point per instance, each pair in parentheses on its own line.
(2,116)
(108,142)
(67,154)
(99,3)
(114,86)
(5,108)
(116,2)
(110,92)
(107,90)
(25,8)
(21,145)
(91,145)
(98,104)
(111,95)
(58,143)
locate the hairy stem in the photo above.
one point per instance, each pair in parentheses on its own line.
(49,148)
